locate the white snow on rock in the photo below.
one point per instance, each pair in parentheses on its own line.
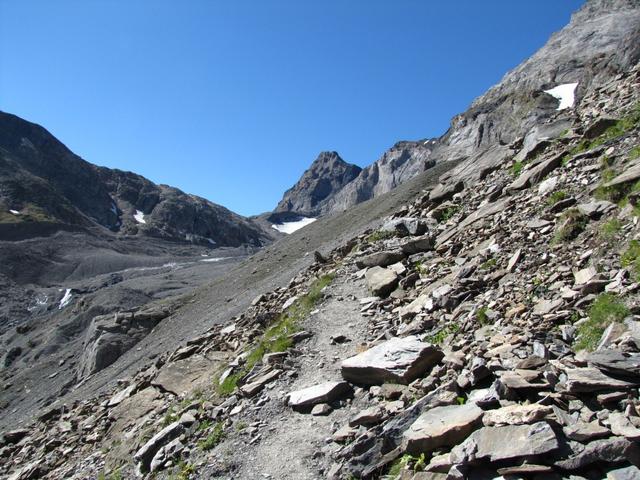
(114,209)
(212,260)
(290,227)
(139,216)
(65,299)
(15,212)
(565,93)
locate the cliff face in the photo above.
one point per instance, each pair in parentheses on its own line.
(327,175)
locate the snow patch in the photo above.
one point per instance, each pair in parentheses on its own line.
(565,93)
(114,209)
(139,216)
(15,212)
(290,227)
(211,241)
(218,259)
(66,299)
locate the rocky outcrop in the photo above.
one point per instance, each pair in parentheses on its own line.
(326,176)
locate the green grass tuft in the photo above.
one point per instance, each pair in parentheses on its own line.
(631,258)
(556,196)
(276,337)
(570,225)
(214,438)
(605,310)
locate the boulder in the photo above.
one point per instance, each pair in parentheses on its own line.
(595,208)
(423,243)
(630,174)
(586,379)
(380,259)
(536,173)
(381,281)
(405,226)
(506,443)
(442,426)
(148,451)
(185,375)
(322,393)
(399,360)
(516,415)
(609,450)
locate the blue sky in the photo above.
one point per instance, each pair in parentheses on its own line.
(233,100)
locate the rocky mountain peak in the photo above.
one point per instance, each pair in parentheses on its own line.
(328,174)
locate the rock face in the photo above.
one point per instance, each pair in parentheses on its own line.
(399,360)
(327,175)
(47,184)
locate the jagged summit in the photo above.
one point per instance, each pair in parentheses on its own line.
(327,175)
(599,42)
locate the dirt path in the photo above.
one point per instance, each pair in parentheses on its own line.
(294,445)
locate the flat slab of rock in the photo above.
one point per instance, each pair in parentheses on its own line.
(630,174)
(615,362)
(536,173)
(423,243)
(322,393)
(380,259)
(506,443)
(516,415)
(585,432)
(441,426)
(183,376)
(581,380)
(608,450)
(381,281)
(399,360)
(250,389)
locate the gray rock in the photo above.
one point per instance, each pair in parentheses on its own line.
(516,415)
(598,127)
(381,281)
(616,362)
(580,380)
(536,173)
(595,208)
(622,426)
(610,450)
(506,443)
(368,417)
(322,393)
(441,426)
(424,243)
(380,259)
(406,226)
(257,384)
(146,453)
(630,174)
(585,432)
(399,360)
(626,473)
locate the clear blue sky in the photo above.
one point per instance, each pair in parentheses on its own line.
(233,100)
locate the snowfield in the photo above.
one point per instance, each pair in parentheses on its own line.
(290,227)
(15,212)
(139,216)
(565,93)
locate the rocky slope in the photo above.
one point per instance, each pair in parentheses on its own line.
(599,42)
(484,327)
(44,188)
